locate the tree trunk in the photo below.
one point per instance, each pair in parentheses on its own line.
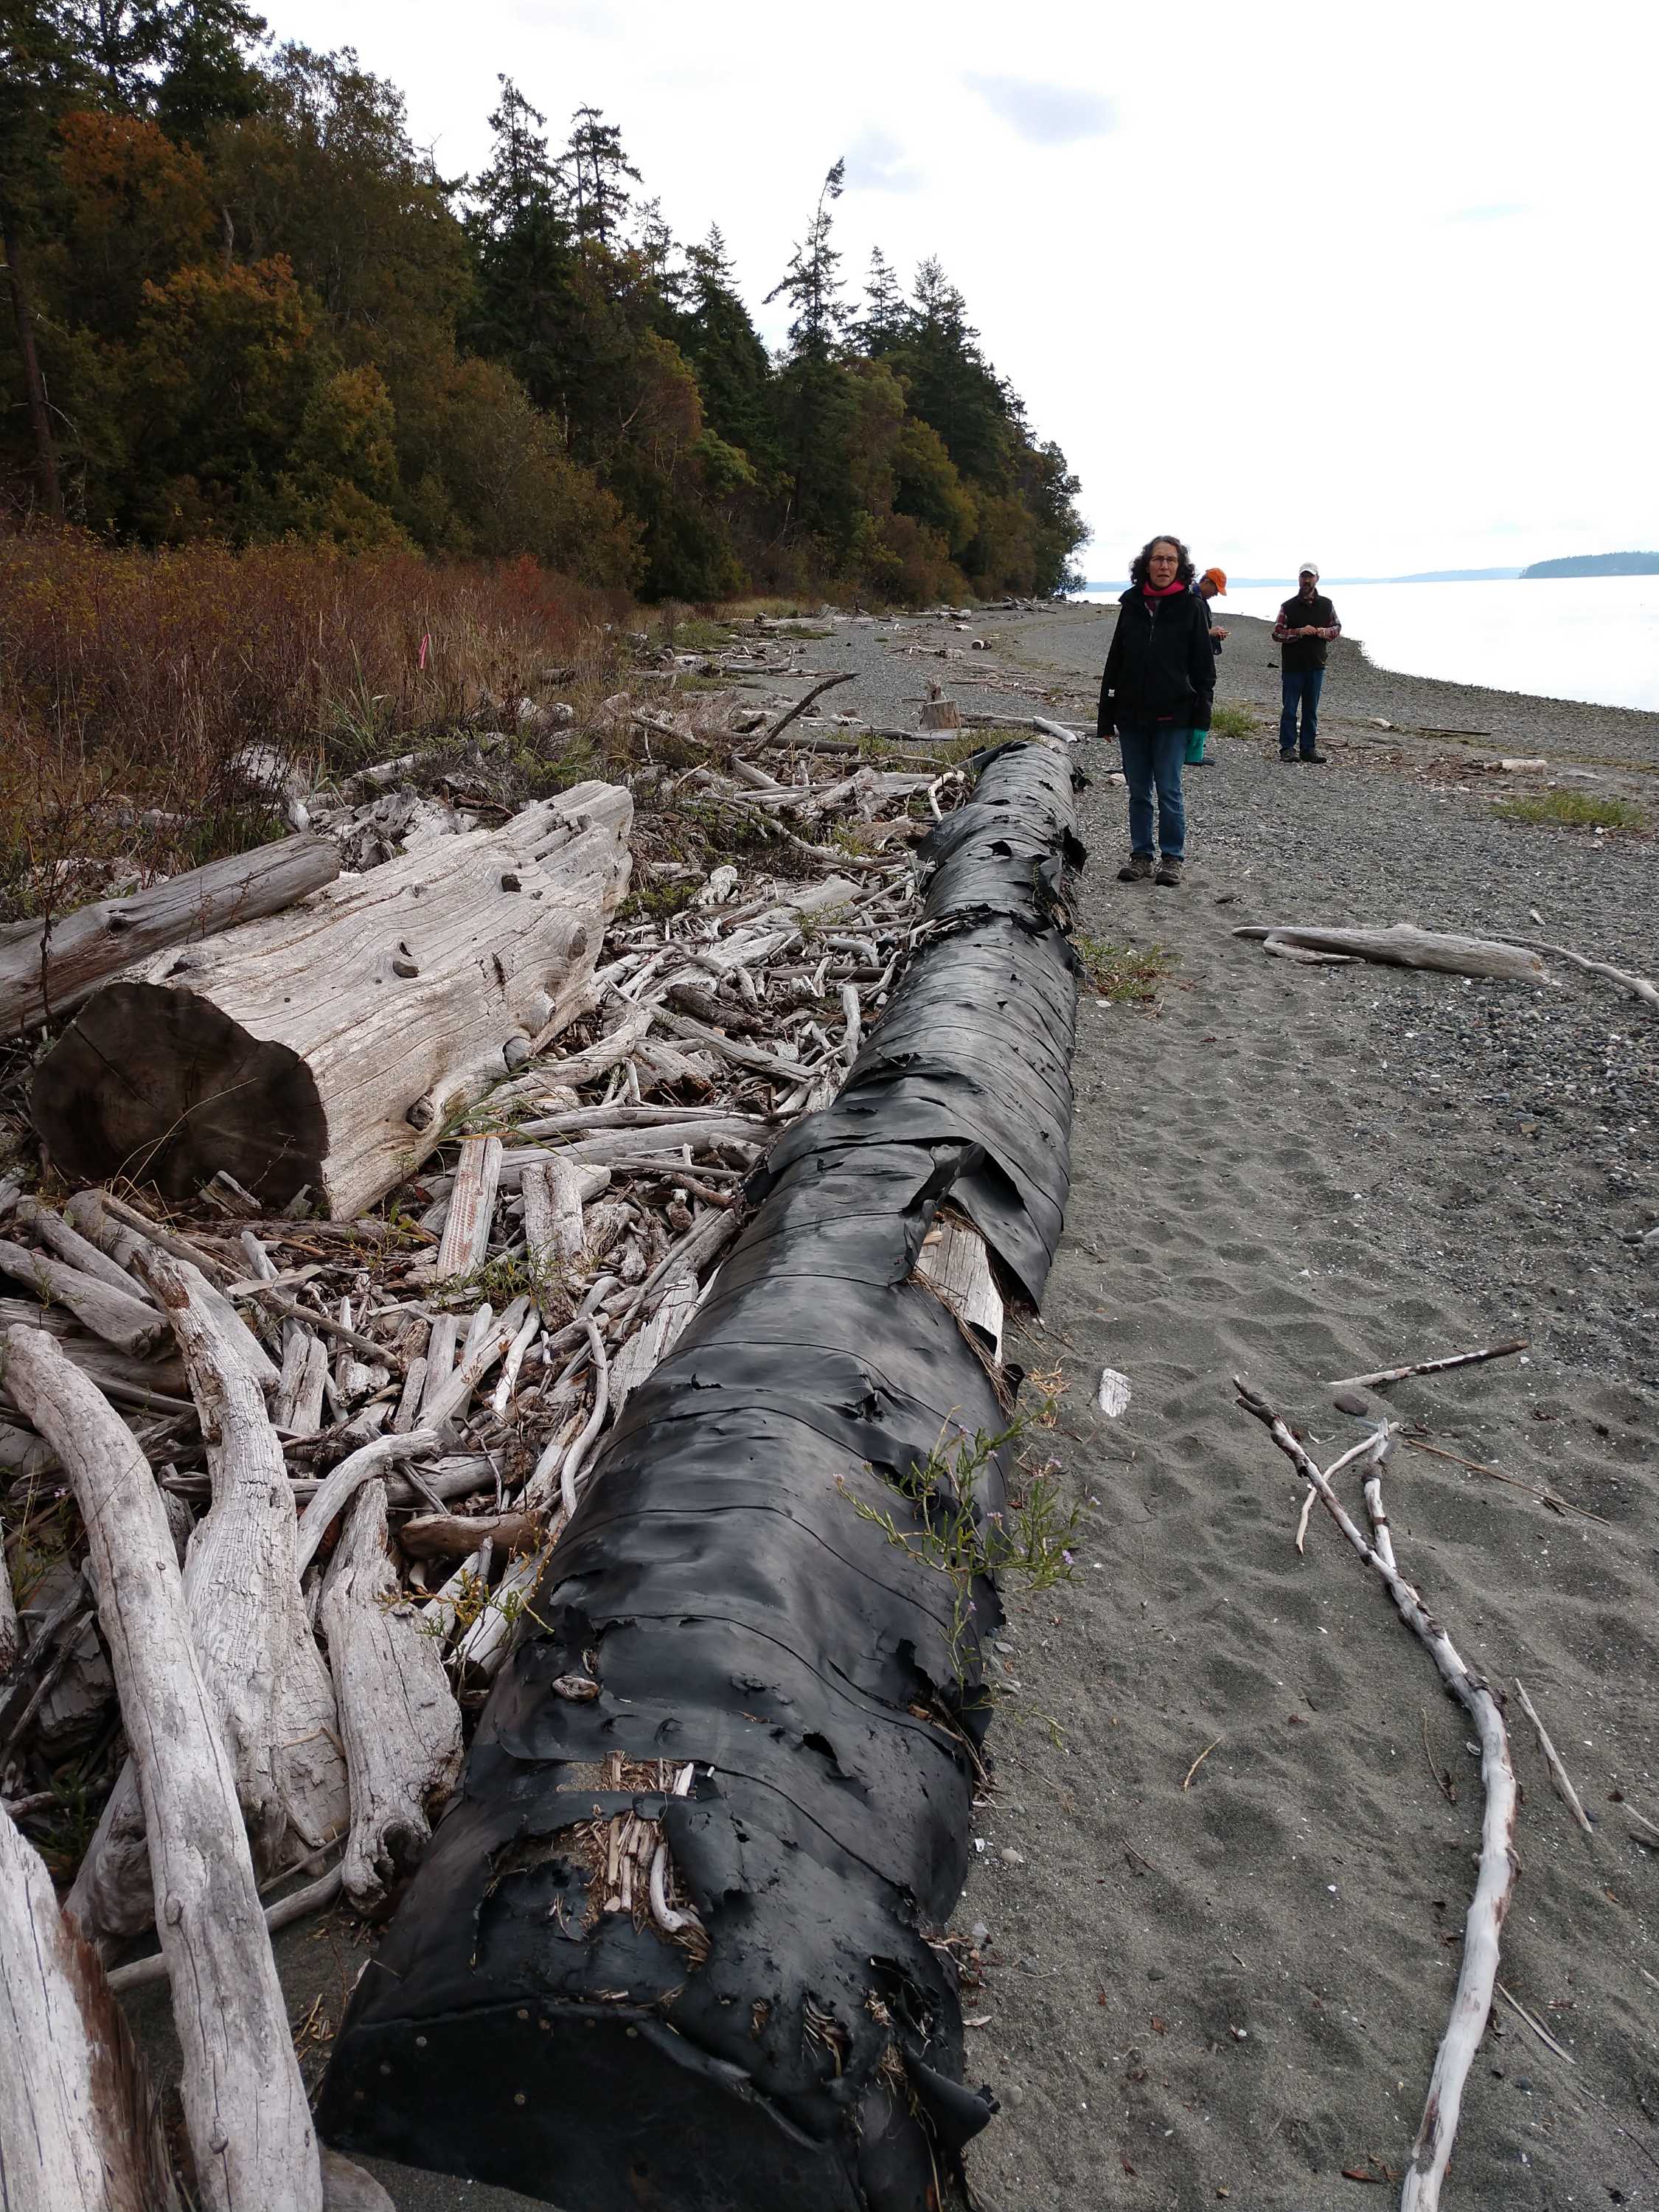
(245,2103)
(47,967)
(328,1049)
(46,450)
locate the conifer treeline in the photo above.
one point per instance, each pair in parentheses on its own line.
(244,305)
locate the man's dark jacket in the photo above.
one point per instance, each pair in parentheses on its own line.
(1160,667)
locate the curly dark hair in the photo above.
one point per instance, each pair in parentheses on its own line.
(1140,567)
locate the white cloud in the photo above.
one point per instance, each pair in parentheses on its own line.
(1046,114)
(877,163)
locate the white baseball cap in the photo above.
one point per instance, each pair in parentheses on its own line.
(1309,569)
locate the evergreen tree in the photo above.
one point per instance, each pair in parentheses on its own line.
(716,336)
(886,318)
(596,173)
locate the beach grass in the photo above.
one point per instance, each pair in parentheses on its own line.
(1231,720)
(1575,810)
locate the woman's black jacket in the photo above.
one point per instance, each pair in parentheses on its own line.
(1160,667)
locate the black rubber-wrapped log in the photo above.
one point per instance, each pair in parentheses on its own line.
(738,1611)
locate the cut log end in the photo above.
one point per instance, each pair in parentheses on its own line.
(161,1087)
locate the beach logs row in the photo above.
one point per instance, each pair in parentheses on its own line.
(674,1941)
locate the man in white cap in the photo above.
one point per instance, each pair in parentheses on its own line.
(1305,626)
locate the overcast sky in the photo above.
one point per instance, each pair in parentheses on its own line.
(1368,285)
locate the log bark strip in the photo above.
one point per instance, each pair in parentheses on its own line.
(47,969)
(245,2103)
(328,1048)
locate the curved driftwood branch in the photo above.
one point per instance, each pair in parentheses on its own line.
(245,2103)
(397,1714)
(1495,1880)
(243,1583)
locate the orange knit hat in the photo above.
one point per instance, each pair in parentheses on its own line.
(1218,578)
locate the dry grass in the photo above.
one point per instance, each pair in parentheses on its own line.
(129,681)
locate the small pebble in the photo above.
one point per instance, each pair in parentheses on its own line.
(1010,1856)
(1351,1401)
(1014,2094)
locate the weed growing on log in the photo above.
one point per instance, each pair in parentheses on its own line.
(967,1542)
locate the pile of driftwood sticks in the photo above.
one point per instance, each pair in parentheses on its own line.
(278,1483)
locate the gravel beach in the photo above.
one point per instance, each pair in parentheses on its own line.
(1227,1980)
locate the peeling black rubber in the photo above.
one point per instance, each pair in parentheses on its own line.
(740,1612)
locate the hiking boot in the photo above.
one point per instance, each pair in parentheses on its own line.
(1137,869)
(1287,756)
(1169,873)
(1317,760)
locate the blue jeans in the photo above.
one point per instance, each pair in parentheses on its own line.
(1153,755)
(1300,685)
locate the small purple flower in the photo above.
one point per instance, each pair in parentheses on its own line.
(1068,1558)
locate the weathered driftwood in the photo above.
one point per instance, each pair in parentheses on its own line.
(256,1650)
(80,2130)
(340,1484)
(553,1232)
(472,1209)
(11,1633)
(115,1230)
(953,1261)
(328,1048)
(1405,946)
(1377,1379)
(47,967)
(399,1717)
(1477,1969)
(1639,987)
(120,1318)
(66,1242)
(245,2102)
(453,1535)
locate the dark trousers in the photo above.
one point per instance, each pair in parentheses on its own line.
(1300,687)
(1152,755)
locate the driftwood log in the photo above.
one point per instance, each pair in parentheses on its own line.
(79,2129)
(245,2103)
(1405,946)
(48,968)
(399,1717)
(327,1048)
(270,1689)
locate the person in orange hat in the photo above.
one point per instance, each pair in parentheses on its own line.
(1211,585)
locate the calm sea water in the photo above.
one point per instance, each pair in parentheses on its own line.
(1569,637)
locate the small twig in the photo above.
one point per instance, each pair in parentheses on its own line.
(1442,1782)
(1536,2025)
(1549,1497)
(1199,1760)
(1564,1790)
(381,1354)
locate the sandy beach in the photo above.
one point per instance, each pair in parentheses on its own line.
(1235,1988)
(1226,1981)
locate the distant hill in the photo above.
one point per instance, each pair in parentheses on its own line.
(1598,564)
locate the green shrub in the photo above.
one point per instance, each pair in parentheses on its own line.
(1575,810)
